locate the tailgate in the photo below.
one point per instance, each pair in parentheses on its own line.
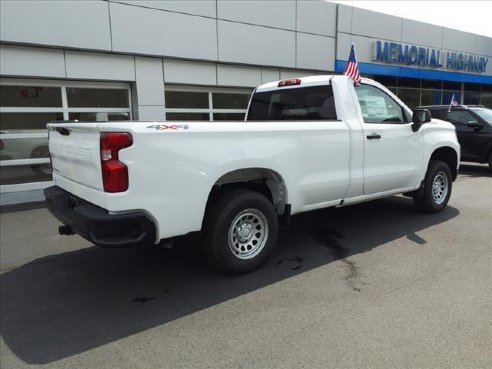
(74,151)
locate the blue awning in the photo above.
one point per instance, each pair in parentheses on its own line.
(398,71)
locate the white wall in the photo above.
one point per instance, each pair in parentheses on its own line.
(77,24)
(269,33)
(139,30)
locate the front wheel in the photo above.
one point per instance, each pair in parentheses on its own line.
(240,229)
(434,197)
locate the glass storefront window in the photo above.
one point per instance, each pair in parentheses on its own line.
(187,116)
(182,99)
(409,82)
(472,87)
(19,122)
(411,97)
(98,116)
(471,98)
(30,96)
(229,116)
(486,96)
(25,109)
(230,101)
(448,85)
(430,97)
(24,148)
(386,81)
(208,104)
(437,92)
(18,174)
(486,99)
(97,98)
(431,83)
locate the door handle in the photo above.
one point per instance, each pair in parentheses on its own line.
(63,131)
(373,136)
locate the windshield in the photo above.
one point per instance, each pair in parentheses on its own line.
(485,114)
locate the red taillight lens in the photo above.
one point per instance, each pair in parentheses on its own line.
(289,82)
(114,172)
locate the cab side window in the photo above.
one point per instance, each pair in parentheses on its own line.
(379,107)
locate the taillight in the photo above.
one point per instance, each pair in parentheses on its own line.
(289,82)
(114,172)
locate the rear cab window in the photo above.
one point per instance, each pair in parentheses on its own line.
(300,103)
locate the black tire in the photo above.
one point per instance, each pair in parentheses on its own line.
(240,229)
(490,160)
(438,181)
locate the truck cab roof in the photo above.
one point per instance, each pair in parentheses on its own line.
(307,81)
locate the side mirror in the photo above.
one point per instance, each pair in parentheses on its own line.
(474,124)
(419,117)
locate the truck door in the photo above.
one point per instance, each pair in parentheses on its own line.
(472,141)
(393,153)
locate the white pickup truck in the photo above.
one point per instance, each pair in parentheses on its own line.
(306,143)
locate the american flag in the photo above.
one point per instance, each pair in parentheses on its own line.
(352,69)
(454,102)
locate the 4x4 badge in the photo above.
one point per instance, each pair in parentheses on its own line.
(174,127)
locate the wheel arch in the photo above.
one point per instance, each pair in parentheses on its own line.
(486,152)
(263,180)
(449,156)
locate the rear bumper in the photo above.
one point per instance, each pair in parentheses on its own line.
(96,224)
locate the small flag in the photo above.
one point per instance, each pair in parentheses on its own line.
(352,69)
(453,102)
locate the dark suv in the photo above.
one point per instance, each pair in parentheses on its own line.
(473,128)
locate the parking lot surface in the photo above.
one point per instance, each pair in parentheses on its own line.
(375,285)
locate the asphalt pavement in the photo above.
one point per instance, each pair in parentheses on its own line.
(376,285)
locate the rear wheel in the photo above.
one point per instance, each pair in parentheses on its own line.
(434,197)
(241,229)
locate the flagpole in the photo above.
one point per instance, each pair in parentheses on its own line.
(451,103)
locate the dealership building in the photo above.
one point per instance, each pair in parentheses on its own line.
(199,60)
